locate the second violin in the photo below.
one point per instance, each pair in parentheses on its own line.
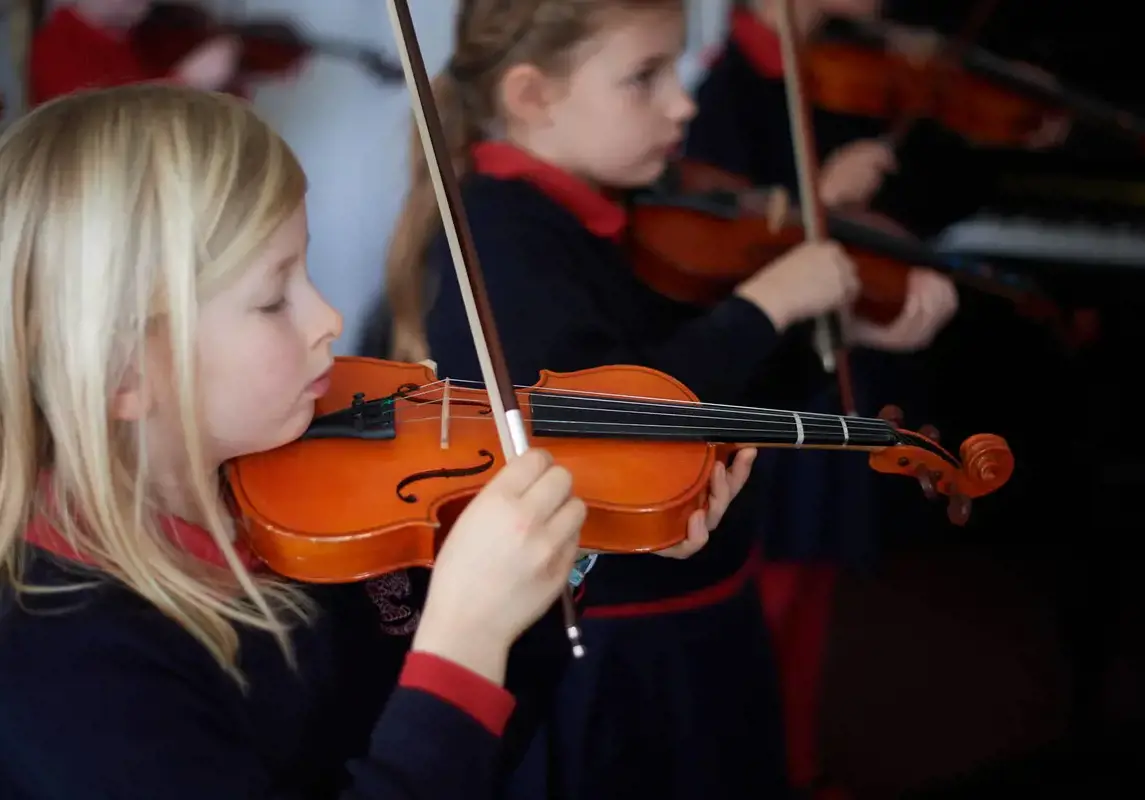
(702,232)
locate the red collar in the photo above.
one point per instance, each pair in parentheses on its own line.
(759,44)
(600,215)
(190,538)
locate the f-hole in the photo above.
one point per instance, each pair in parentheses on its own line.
(458,472)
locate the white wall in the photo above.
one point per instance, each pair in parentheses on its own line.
(351,134)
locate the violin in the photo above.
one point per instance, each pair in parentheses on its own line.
(980,96)
(171,31)
(394,454)
(700,233)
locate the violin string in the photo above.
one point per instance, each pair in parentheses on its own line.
(784,420)
(662,406)
(761,421)
(665,430)
(601,405)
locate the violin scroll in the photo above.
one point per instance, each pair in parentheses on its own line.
(984,464)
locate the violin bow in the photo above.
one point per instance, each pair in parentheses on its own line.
(830,341)
(502,394)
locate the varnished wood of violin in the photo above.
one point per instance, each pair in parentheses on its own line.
(394,455)
(171,31)
(854,79)
(700,258)
(704,232)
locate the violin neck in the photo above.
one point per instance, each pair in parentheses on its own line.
(582,415)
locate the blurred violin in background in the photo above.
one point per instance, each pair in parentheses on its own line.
(172,30)
(982,97)
(703,231)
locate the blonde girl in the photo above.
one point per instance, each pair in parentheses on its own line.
(156,320)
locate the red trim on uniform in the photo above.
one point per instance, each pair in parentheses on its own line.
(599,214)
(712,595)
(190,538)
(798,603)
(478,697)
(759,44)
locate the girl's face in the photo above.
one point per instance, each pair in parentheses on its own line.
(621,114)
(264,347)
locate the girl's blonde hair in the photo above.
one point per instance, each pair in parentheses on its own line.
(491,36)
(121,212)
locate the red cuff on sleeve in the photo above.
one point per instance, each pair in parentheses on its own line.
(482,699)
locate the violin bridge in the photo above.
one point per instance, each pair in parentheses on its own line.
(445,415)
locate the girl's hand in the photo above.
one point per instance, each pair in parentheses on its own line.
(931,301)
(505,561)
(212,65)
(853,173)
(919,46)
(725,485)
(808,280)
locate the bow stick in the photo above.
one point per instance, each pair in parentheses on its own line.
(502,394)
(829,328)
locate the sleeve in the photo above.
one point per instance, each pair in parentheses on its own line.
(537,665)
(549,320)
(115,720)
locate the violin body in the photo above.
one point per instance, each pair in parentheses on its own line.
(699,237)
(693,255)
(854,79)
(394,455)
(345,509)
(700,258)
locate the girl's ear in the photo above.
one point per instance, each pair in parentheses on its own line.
(527,94)
(132,401)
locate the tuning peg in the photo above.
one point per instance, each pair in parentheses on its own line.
(892,414)
(958,510)
(926,479)
(930,432)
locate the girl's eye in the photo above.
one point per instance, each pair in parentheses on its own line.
(644,77)
(275,307)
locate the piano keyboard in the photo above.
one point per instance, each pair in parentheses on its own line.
(1025,238)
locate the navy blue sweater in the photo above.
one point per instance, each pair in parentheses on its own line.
(104,697)
(565,299)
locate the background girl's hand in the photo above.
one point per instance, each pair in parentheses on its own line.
(502,565)
(212,65)
(931,301)
(852,174)
(808,280)
(917,45)
(725,485)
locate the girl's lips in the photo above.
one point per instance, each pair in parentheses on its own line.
(320,385)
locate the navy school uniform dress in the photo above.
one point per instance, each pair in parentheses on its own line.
(105,697)
(821,505)
(676,697)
